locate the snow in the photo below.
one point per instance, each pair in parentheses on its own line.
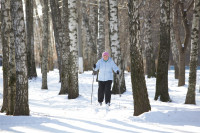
(53,113)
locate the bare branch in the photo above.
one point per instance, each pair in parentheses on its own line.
(189,5)
(185,24)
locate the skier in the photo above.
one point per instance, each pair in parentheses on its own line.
(106,66)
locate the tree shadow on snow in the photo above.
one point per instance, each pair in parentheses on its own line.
(21,124)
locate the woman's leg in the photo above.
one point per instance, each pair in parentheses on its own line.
(108,91)
(101,91)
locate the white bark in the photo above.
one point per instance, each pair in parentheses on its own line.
(80,48)
(119,81)
(101,29)
(150,60)
(80,64)
(73,90)
(65,51)
(12,67)
(45,45)
(174,48)
(21,105)
(190,98)
(5,37)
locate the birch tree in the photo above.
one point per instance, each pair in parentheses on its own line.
(80,44)
(30,40)
(86,48)
(101,29)
(181,44)
(163,58)
(73,59)
(140,95)
(45,44)
(174,48)
(57,26)
(12,71)
(51,47)
(93,24)
(5,37)
(12,75)
(150,59)
(38,33)
(175,53)
(190,97)
(21,104)
(119,80)
(65,50)
(90,48)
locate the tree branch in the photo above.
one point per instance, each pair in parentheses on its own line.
(189,5)
(176,28)
(185,24)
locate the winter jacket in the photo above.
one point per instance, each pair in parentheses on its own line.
(105,69)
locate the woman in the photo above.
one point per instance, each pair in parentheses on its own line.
(106,66)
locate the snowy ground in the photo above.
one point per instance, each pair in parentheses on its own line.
(53,113)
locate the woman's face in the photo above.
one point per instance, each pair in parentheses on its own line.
(105,57)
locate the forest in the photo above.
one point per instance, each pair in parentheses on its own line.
(144,37)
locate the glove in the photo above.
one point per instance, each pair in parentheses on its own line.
(117,72)
(94,73)
(94,66)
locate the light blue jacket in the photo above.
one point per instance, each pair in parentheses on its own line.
(106,69)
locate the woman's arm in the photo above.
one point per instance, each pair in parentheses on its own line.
(114,67)
(97,66)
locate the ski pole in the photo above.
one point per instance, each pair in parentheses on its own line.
(92,88)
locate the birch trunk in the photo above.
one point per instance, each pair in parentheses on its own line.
(45,44)
(163,58)
(50,60)
(182,45)
(21,104)
(150,60)
(38,43)
(58,33)
(12,70)
(5,37)
(38,35)
(93,23)
(65,50)
(80,45)
(174,47)
(84,36)
(175,53)
(101,29)
(12,75)
(190,97)
(30,40)
(90,48)
(73,59)
(119,80)
(51,44)
(140,95)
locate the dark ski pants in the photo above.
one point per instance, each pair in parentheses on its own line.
(104,89)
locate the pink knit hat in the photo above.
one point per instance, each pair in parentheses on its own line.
(105,53)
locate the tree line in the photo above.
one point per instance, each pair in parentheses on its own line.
(143,37)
